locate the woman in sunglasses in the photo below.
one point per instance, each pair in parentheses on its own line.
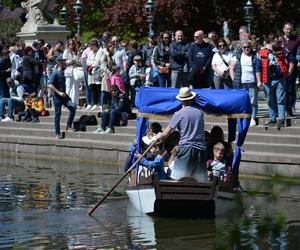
(243,73)
(221,63)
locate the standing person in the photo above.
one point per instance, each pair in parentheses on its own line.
(243,73)
(5,66)
(93,84)
(120,57)
(28,67)
(221,63)
(161,57)
(106,66)
(72,61)
(191,157)
(178,60)
(84,56)
(147,52)
(55,53)
(15,59)
(291,43)
(200,55)
(57,84)
(271,69)
(39,65)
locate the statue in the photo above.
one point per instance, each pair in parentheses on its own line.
(39,12)
(225,29)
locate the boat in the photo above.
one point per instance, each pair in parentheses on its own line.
(173,198)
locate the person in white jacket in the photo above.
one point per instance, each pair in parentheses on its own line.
(72,61)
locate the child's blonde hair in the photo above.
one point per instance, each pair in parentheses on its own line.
(219,147)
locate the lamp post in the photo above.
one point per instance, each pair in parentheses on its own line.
(63,15)
(248,8)
(78,10)
(149,10)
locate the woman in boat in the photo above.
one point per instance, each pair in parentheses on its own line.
(191,156)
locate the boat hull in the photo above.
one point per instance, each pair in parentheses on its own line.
(144,200)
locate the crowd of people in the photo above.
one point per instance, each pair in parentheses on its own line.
(110,65)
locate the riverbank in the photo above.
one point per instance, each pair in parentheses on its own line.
(267,152)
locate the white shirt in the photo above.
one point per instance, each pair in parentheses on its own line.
(219,63)
(247,69)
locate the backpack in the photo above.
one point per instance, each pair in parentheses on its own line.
(83,121)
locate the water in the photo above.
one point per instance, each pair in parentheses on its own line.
(44,204)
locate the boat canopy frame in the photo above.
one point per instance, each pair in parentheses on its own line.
(155,102)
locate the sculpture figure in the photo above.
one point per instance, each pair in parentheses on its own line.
(39,11)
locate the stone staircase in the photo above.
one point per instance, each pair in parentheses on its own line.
(267,151)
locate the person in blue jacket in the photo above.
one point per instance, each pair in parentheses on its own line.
(158,164)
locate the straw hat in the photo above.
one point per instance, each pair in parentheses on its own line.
(185,94)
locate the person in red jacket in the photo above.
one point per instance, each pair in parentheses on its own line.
(272,68)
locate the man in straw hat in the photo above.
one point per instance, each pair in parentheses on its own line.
(191,157)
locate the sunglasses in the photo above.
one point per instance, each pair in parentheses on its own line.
(71,43)
(197,36)
(246,47)
(222,46)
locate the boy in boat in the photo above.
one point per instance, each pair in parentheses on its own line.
(218,166)
(157,165)
(191,156)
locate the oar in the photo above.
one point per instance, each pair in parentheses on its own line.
(121,179)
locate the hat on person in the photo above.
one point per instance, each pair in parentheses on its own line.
(151,34)
(147,139)
(185,94)
(137,57)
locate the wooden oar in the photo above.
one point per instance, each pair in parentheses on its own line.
(122,178)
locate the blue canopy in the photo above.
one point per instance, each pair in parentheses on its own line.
(233,103)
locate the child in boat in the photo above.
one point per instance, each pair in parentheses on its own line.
(217,166)
(157,165)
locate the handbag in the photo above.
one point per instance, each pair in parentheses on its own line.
(163,69)
(226,73)
(78,74)
(97,74)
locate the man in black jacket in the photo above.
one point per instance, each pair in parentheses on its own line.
(200,55)
(178,60)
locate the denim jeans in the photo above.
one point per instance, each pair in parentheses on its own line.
(111,119)
(276,90)
(58,102)
(253,95)
(291,90)
(87,87)
(164,80)
(105,98)
(11,103)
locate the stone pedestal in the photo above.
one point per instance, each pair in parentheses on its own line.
(51,33)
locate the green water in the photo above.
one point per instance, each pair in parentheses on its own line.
(44,204)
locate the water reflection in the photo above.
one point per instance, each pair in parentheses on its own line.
(43,204)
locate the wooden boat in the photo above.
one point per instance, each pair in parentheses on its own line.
(187,197)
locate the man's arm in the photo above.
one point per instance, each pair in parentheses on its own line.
(163,135)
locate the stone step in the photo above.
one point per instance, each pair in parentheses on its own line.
(48,133)
(47,130)
(274,147)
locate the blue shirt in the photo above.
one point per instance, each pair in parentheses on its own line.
(157,165)
(58,80)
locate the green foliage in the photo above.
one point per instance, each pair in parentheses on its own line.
(8,29)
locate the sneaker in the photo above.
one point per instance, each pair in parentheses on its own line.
(70,130)
(252,122)
(290,113)
(100,108)
(7,119)
(58,136)
(280,124)
(108,131)
(270,123)
(99,131)
(94,107)
(88,107)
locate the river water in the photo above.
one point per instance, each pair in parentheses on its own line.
(44,204)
